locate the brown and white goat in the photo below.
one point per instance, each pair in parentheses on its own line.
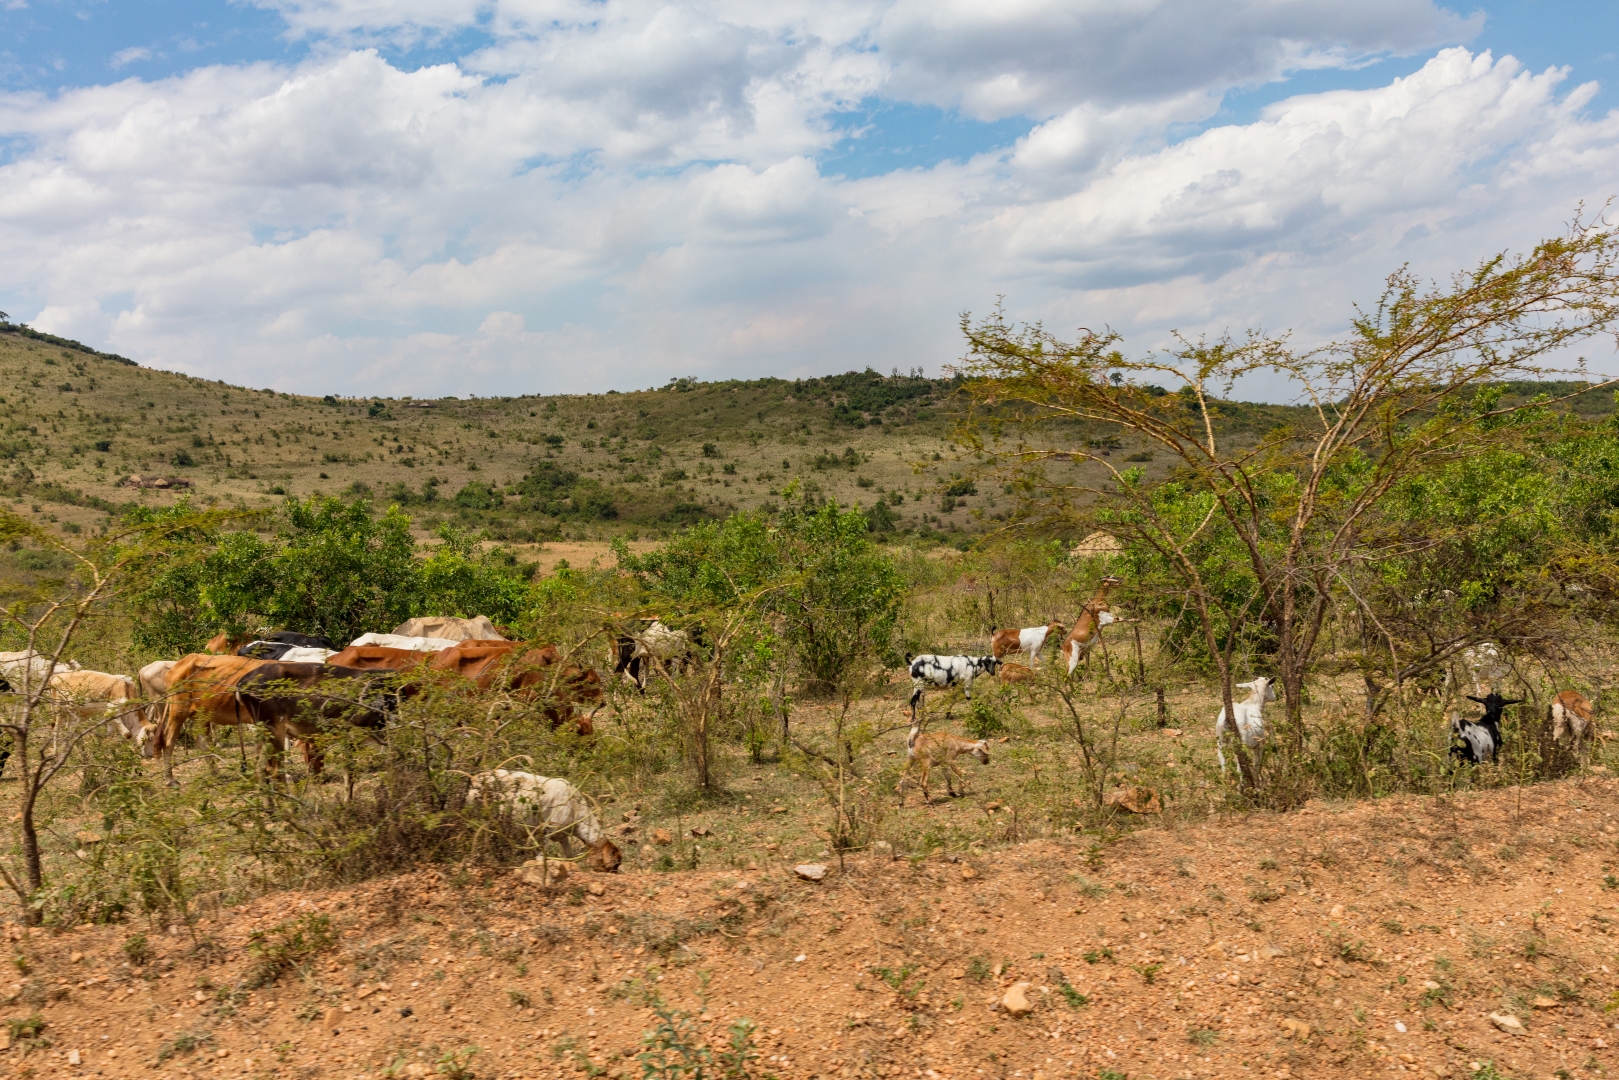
(1574,716)
(1029,640)
(941,749)
(1087,629)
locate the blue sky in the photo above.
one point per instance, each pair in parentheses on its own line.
(46,45)
(576,194)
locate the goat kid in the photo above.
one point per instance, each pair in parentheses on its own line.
(1029,640)
(1477,741)
(943,672)
(1574,716)
(1248,720)
(553,805)
(941,749)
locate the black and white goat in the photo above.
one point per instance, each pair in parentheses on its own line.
(943,672)
(1478,741)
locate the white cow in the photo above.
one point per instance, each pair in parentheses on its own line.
(398,641)
(549,803)
(30,666)
(89,695)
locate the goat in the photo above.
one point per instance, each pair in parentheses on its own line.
(553,805)
(1012,673)
(1488,665)
(1029,640)
(941,749)
(1574,716)
(944,672)
(1478,740)
(657,644)
(1248,717)
(1087,629)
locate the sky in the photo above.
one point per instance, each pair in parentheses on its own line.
(486,197)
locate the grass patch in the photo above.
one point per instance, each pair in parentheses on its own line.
(287,948)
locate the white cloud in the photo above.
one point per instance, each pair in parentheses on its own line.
(130,55)
(612,193)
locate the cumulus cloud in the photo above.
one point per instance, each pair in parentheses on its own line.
(610,193)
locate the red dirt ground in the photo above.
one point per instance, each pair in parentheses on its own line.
(1391,929)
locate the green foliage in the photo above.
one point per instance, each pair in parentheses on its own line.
(187,1042)
(835,592)
(137,950)
(560,493)
(288,947)
(331,568)
(675,1048)
(984,718)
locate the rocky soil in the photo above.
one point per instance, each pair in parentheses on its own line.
(1463,936)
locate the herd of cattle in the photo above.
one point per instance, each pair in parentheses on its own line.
(289,683)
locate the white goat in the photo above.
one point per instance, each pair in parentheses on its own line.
(1250,720)
(551,804)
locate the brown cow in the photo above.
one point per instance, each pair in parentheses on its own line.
(291,700)
(1087,629)
(479,661)
(377,658)
(202,685)
(522,670)
(222,644)
(563,692)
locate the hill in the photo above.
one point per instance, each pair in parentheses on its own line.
(78,423)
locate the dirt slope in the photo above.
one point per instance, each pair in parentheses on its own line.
(1389,930)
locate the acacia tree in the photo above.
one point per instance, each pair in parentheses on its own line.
(46,619)
(1388,402)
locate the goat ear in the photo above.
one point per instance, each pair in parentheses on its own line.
(1480,700)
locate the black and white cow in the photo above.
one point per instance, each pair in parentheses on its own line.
(1479,740)
(944,672)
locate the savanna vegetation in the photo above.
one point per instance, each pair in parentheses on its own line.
(1446,483)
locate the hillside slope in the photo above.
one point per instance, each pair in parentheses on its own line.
(1333,942)
(77,424)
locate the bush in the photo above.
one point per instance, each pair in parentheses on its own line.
(288,947)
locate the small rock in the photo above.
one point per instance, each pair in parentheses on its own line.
(1400,1027)
(1136,798)
(810,871)
(406,1013)
(88,837)
(883,849)
(648,851)
(701,830)
(5,1040)
(73,1057)
(967,872)
(1295,1028)
(778,809)
(1016,999)
(992,806)
(1431,985)
(75,957)
(1173,732)
(1508,1023)
(662,837)
(417,1069)
(1544,1003)
(365,992)
(596,888)
(547,874)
